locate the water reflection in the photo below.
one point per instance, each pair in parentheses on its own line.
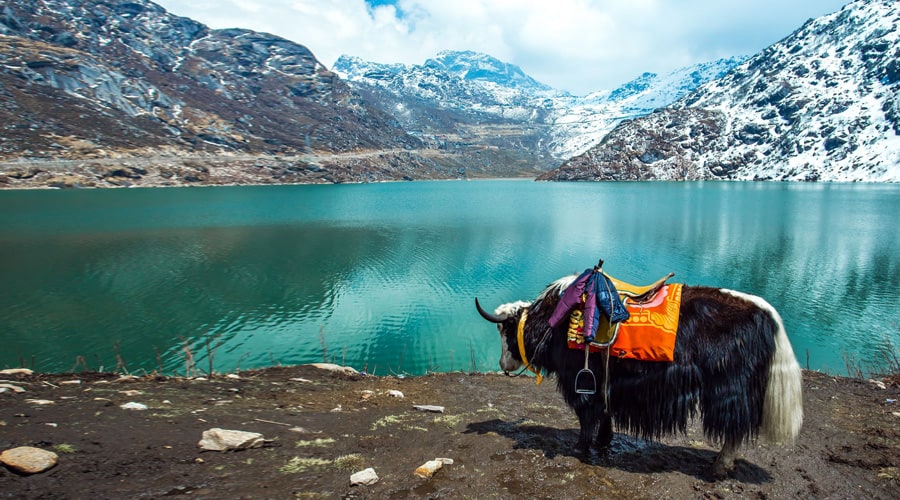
(382,276)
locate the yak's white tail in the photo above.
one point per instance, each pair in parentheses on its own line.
(783,406)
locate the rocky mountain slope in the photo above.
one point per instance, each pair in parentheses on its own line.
(822,104)
(465,97)
(581,122)
(88,79)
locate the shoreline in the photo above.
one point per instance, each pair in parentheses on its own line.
(130,437)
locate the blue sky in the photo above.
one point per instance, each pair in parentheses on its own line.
(580,46)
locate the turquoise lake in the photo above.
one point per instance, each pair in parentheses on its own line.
(382,277)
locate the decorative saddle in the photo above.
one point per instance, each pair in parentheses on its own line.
(648,334)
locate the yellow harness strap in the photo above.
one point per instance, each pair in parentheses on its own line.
(521,340)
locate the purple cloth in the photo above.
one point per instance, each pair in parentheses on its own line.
(600,296)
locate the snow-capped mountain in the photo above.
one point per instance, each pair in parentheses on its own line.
(581,122)
(475,67)
(468,81)
(822,104)
(484,88)
(94,79)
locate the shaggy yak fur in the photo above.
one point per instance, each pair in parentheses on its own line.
(733,366)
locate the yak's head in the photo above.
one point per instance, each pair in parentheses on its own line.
(507,319)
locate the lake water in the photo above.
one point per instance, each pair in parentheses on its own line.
(382,276)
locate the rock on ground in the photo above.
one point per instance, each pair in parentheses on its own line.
(28,459)
(227,440)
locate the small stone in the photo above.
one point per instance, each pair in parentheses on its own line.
(429,408)
(15,388)
(131,392)
(394,393)
(133,406)
(877,383)
(216,439)
(428,469)
(366,477)
(28,460)
(16,371)
(233,376)
(331,367)
(40,402)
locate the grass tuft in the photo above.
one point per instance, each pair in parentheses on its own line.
(298,464)
(64,448)
(353,461)
(314,442)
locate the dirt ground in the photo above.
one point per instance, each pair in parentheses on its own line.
(507,437)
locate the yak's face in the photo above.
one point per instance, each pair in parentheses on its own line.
(506,317)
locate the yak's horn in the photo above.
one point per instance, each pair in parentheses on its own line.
(493,318)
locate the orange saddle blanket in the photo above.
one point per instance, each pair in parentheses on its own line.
(649,334)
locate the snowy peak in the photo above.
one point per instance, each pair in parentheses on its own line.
(473,66)
(356,69)
(822,104)
(582,122)
(480,86)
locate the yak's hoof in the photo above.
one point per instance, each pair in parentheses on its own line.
(603,441)
(582,449)
(721,470)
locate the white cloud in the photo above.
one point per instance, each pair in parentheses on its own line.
(576,45)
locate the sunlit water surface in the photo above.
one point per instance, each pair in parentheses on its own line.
(382,276)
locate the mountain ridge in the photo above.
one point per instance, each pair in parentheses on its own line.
(98,80)
(561,125)
(823,104)
(89,79)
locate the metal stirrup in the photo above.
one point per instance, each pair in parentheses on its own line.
(586,375)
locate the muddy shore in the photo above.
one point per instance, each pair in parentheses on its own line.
(507,438)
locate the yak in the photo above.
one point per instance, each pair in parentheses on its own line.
(733,367)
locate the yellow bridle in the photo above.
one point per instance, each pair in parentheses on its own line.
(521,340)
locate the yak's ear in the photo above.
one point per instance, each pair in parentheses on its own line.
(493,318)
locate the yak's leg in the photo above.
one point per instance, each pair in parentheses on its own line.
(588,419)
(725,459)
(605,433)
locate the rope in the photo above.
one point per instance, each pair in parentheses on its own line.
(521,340)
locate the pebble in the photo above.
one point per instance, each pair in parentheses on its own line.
(16,371)
(430,408)
(40,402)
(133,406)
(331,367)
(394,393)
(428,469)
(877,383)
(217,439)
(365,477)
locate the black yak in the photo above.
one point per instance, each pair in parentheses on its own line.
(733,366)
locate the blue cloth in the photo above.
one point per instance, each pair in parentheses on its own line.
(600,296)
